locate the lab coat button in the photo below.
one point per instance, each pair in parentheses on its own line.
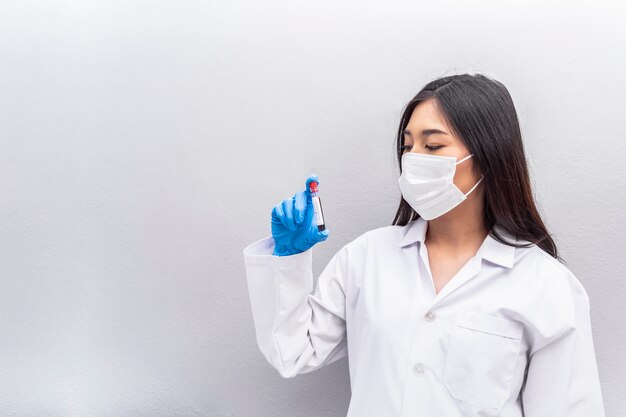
(430,316)
(418,369)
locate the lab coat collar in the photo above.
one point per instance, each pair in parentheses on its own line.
(491,250)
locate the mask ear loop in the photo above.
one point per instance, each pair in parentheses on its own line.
(475,185)
(465,159)
(478,182)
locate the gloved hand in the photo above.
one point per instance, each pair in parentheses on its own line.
(293,228)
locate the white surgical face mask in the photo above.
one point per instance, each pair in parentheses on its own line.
(427,183)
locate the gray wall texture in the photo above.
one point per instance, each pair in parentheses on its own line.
(144,143)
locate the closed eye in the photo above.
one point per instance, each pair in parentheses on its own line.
(429,147)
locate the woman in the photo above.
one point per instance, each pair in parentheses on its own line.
(462,307)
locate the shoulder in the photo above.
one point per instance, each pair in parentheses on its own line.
(370,250)
(384,236)
(548,294)
(535,264)
(550,287)
(373,244)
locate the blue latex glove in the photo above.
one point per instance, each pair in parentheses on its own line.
(293,228)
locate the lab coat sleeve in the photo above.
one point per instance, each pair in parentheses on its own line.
(562,378)
(296,331)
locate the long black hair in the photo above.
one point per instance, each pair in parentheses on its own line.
(480,112)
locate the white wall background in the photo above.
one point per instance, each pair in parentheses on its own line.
(144,143)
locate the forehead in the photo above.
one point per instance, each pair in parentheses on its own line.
(427,120)
(426,115)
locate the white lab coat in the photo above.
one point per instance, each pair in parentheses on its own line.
(509,335)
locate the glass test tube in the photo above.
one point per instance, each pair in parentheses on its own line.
(317,206)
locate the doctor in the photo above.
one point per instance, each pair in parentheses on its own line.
(462,307)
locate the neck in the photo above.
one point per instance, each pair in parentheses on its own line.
(462,227)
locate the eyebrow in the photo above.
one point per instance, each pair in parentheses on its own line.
(426,132)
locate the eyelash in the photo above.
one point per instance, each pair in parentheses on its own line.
(430,148)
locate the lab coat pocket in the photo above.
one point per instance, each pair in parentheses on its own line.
(481,358)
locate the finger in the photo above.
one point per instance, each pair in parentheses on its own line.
(300,206)
(312,177)
(288,210)
(316,236)
(277,213)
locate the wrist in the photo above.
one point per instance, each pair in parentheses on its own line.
(282,250)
